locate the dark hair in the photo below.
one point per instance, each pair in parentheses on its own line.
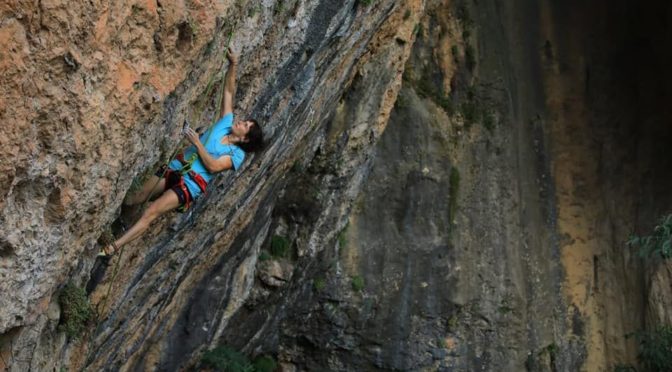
(255,138)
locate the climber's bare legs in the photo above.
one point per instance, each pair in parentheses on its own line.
(152,187)
(165,203)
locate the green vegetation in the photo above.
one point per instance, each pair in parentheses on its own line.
(470,112)
(624,368)
(489,121)
(552,349)
(296,167)
(264,364)
(655,349)
(539,361)
(264,256)
(366,2)
(504,309)
(446,104)
(659,243)
(455,51)
(357,283)
(463,15)
(223,358)
(427,89)
(453,192)
(319,284)
(279,7)
(401,102)
(470,57)
(192,27)
(280,246)
(418,30)
(209,47)
(75,310)
(343,237)
(452,323)
(407,14)
(473,111)
(254,10)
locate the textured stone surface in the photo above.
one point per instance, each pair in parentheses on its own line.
(274,273)
(549,112)
(98,96)
(83,94)
(528,269)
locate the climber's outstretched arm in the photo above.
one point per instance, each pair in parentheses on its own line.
(229,83)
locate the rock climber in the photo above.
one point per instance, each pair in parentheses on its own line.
(220,148)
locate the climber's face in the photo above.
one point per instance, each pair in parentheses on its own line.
(241,128)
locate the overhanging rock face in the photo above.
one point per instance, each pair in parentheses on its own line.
(96,96)
(482,228)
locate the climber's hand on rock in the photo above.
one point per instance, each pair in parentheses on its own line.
(231,56)
(192,136)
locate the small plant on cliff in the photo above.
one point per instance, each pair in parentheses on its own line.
(279,246)
(624,368)
(470,57)
(455,51)
(75,310)
(254,11)
(357,283)
(319,284)
(488,120)
(343,237)
(223,358)
(463,14)
(470,109)
(264,256)
(264,364)
(418,30)
(657,244)
(655,349)
(279,7)
(366,2)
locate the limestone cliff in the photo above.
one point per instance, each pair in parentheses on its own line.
(447,185)
(95,95)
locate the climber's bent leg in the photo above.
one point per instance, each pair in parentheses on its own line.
(165,203)
(153,186)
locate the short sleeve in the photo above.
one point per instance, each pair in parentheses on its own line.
(224,124)
(237,157)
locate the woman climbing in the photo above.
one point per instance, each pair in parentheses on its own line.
(220,148)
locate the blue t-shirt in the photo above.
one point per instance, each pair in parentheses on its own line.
(213,144)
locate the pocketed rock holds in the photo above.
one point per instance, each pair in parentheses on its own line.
(275,273)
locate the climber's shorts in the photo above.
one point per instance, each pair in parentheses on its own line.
(175,182)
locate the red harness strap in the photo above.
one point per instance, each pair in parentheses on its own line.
(200,181)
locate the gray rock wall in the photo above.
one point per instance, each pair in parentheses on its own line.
(478,225)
